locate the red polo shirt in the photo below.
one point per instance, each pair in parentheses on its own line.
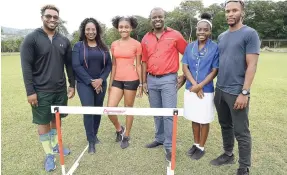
(161,55)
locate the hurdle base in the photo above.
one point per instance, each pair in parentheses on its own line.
(169,171)
(76,164)
(63,170)
(73,169)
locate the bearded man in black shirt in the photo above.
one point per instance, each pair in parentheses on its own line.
(44,54)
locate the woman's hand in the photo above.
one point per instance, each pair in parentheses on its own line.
(99,90)
(200,94)
(195,88)
(96,83)
(140,91)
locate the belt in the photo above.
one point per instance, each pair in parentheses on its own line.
(157,76)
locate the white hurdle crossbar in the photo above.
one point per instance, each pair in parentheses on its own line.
(57,110)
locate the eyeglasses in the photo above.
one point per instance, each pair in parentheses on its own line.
(240,1)
(50,17)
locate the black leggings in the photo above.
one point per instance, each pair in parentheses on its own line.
(89,97)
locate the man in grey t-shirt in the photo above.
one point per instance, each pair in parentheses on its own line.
(239,49)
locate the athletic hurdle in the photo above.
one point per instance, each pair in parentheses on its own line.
(57,110)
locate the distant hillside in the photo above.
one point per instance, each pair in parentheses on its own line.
(13,31)
(8,32)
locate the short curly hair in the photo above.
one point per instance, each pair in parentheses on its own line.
(131,19)
(49,6)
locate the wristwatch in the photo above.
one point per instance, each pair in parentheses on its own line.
(245,92)
(140,84)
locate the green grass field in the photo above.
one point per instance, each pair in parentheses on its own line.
(22,152)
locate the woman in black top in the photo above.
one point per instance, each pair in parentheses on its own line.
(92,65)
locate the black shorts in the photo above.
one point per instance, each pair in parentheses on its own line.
(128,85)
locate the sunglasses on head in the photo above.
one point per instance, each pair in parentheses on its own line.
(50,17)
(240,1)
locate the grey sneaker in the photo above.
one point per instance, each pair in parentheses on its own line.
(192,150)
(153,144)
(125,142)
(92,148)
(168,155)
(223,159)
(243,171)
(198,154)
(120,134)
(97,141)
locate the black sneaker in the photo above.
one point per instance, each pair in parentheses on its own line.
(198,154)
(97,141)
(120,134)
(153,144)
(168,155)
(223,159)
(243,171)
(192,150)
(92,148)
(125,142)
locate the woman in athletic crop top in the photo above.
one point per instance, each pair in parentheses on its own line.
(126,76)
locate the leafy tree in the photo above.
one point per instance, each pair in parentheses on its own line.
(111,35)
(75,35)
(218,19)
(62,28)
(143,27)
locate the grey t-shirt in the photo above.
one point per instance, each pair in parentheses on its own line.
(233,47)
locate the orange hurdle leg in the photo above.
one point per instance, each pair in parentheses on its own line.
(58,126)
(173,149)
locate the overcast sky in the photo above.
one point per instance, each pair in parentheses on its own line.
(26,13)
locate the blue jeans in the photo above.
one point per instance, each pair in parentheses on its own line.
(89,97)
(163,94)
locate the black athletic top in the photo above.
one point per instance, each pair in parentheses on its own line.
(43,62)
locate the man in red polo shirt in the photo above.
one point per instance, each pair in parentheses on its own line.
(160,57)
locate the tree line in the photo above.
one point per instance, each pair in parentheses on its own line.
(13,43)
(269,18)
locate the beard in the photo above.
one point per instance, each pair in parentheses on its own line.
(48,27)
(158,26)
(236,21)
